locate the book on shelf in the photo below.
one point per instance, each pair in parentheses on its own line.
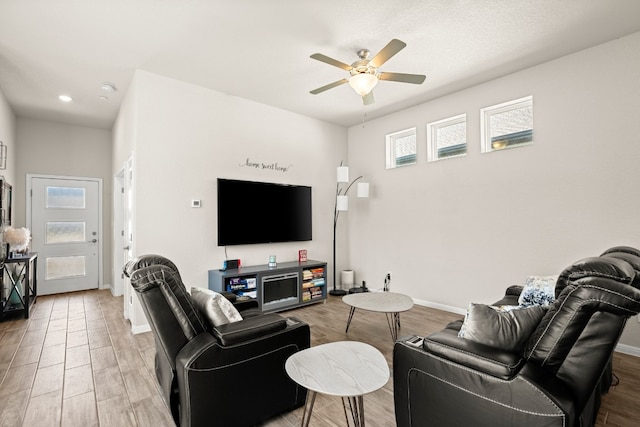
(246,282)
(312,283)
(250,294)
(239,286)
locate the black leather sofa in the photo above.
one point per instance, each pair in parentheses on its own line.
(228,375)
(558,377)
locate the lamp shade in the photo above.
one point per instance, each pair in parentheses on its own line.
(342,203)
(363,189)
(363,83)
(343,174)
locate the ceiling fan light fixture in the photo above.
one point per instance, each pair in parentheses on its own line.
(364,74)
(363,83)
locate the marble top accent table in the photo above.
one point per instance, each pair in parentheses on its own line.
(390,303)
(349,369)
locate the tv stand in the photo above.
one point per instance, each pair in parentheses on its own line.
(288,285)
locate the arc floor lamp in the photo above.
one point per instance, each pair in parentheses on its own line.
(341,205)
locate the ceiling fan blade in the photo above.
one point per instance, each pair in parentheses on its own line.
(393,47)
(368,99)
(323,58)
(401,77)
(329,86)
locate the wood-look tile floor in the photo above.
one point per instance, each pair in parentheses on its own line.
(75,362)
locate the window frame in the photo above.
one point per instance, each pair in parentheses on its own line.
(432,137)
(390,138)
(486,145)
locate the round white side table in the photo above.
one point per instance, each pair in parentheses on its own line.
(349,369)
(389,303)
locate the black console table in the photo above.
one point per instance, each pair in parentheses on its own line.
(19,279)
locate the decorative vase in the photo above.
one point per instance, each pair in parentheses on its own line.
(15,297)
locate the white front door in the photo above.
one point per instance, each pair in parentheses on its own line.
(123,235)
(65,227)
(130,302)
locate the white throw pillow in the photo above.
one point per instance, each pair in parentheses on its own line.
(538,290)
(214,306)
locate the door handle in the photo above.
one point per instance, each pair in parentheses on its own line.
(126,248)
(92,241)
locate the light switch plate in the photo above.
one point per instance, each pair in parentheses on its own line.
(195,203)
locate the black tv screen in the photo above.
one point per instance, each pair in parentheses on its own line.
(261,212)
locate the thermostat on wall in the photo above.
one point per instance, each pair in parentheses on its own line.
(195,203)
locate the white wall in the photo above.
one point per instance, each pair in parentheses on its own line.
(51,148)
(125,134)
(125,129)
(186,137)
(462,230)
(8,138)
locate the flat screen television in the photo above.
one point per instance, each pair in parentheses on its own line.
(261,212)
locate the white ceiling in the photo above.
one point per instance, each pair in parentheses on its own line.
(259,50)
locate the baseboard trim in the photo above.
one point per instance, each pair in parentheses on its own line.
(628,349)
(620,348)
(443,307)
(140,329)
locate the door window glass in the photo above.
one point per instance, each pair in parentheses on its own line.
(65,232)
(66,198)
(62,267)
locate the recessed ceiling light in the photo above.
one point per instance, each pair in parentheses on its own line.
(109,87)
(103,98)
(65,98)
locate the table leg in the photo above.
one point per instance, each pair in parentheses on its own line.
(27,289)
(356,406)
(344,407)
(34,291)
(353,310)
(393,321)
(308,408)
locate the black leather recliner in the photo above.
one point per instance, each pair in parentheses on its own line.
(557,380)
(230,375)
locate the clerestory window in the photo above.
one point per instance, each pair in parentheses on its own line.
(401,148)
(447,138)
(507,125)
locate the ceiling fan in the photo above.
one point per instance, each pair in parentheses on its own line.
(364,73)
